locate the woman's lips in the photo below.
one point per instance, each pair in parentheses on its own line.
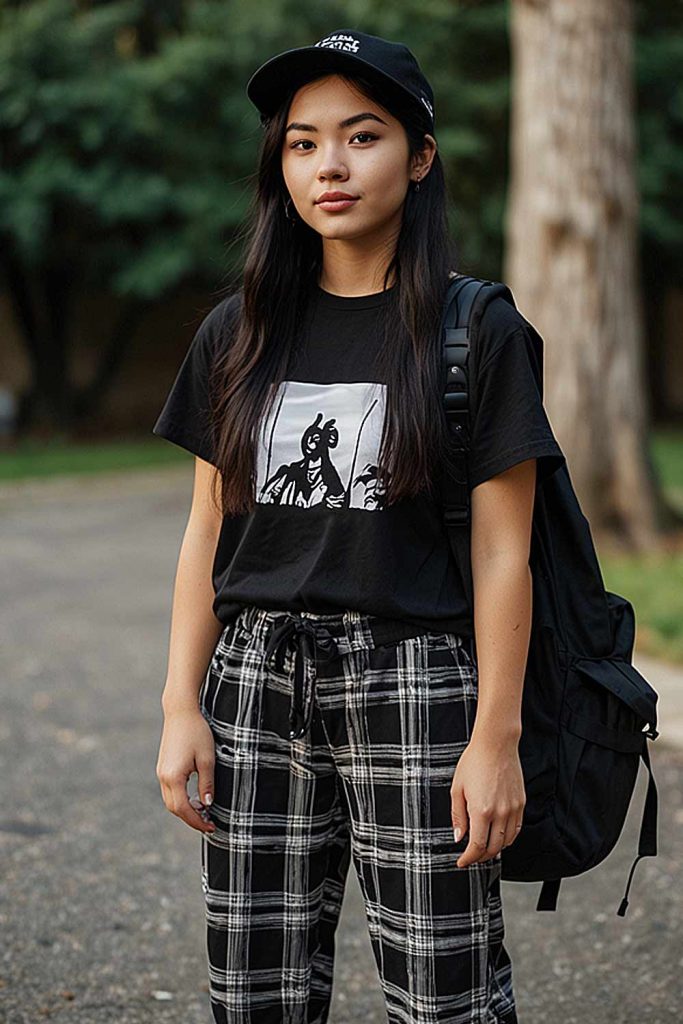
(336,204)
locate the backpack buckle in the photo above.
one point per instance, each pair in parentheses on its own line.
(456,515)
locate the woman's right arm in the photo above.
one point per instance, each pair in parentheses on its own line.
(187,741)
(194,627)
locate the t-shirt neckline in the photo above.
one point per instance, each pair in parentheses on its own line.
(331,301)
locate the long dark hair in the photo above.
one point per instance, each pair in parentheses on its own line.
(282,261)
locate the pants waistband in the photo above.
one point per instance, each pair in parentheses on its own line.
(351,630)
(317,637)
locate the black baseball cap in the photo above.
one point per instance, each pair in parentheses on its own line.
(345,49)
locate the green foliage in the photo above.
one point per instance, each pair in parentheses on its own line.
(659,58)
(124,153)
(129,145)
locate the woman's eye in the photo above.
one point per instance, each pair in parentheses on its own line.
(368,135)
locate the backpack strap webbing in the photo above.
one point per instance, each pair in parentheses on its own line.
(548,896)
(647,842)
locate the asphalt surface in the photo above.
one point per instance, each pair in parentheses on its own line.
(101,909)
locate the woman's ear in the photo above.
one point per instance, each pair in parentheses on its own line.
(422,161)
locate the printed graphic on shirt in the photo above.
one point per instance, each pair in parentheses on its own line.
(320,444)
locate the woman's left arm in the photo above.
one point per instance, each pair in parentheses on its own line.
(487,792)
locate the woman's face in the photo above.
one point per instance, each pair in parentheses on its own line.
(367,159)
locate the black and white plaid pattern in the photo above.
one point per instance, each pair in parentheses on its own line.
(369,778)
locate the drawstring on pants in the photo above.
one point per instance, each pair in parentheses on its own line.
(311,639)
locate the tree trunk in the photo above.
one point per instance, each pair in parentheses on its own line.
(42,302)
(572,258)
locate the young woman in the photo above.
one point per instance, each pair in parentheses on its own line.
(327,680)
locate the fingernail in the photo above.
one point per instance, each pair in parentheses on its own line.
(456,834)
(208,799)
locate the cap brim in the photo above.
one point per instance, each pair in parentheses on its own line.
(293,68)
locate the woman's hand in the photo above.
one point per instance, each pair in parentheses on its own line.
(187,745)
(487,793)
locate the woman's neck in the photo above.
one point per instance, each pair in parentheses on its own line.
(353,280)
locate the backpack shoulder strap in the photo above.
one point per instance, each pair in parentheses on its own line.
(464,305)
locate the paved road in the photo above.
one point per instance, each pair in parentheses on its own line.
(101,909)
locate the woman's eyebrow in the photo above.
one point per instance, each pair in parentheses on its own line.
(298,126)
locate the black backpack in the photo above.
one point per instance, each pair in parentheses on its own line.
(587,713)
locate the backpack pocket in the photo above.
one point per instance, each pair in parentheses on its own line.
(608,710)
(608,701)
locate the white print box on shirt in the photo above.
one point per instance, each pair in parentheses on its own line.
(320,444)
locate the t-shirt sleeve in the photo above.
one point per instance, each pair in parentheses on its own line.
(185,416)
(510,423)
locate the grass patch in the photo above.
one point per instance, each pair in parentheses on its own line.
(654,586)
(666,446)
(40,459)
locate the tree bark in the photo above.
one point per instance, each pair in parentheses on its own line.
(572,256)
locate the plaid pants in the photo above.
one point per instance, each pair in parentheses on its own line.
(337,736)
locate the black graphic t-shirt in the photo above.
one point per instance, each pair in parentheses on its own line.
(321,538)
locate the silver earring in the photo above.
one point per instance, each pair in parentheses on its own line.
(417,185)
(288,206)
